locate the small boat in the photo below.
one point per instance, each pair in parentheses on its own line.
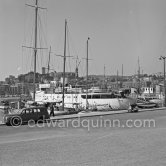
(156,100)
(142,103)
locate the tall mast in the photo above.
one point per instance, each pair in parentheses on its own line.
(76,70)
(104,72)
(35,44)
(104,81)
(122,75)
(87,75)
(117,80)
(64,62)
(49,61)
(77,65)
(35,49)
(138,75)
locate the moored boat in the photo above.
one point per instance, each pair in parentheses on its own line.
(142,103)
(96,101)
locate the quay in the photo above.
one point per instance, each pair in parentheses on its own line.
(90,114)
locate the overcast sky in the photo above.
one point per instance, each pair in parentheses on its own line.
(120,31)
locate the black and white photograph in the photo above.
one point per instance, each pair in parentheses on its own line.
(82,82)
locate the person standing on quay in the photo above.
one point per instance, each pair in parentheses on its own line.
(52,110)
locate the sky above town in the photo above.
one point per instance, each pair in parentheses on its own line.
(120,31)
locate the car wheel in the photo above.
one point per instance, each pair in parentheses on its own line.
(15,121)
(41,119)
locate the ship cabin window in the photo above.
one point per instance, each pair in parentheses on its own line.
(88,97)
(99,96)
(43,89)
(95,96)
(107,96)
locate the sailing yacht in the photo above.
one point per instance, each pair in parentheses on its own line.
(84,100)
(95,101)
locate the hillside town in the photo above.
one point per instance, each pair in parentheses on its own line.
(23,84)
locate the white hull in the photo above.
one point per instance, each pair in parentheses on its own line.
(71,100)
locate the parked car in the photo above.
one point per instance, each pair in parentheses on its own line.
(25,115)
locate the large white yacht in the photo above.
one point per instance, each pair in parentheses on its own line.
(96,101)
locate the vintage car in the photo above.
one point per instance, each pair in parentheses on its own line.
(27,114)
